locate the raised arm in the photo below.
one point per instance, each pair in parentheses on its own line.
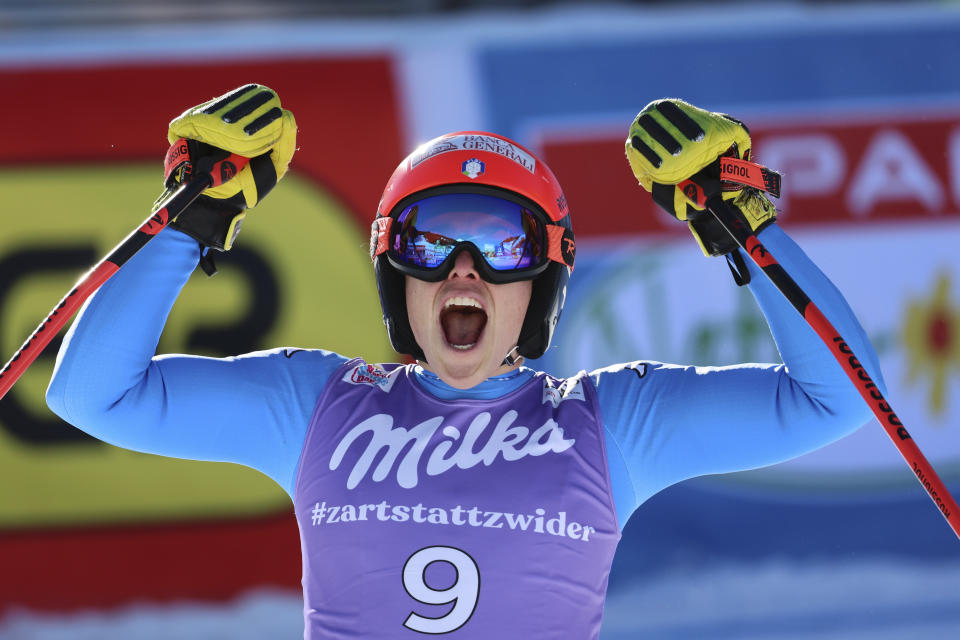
(250,409)
(678,422)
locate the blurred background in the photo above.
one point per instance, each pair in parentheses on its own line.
(858,104)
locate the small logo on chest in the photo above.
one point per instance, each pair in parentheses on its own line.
(401,450)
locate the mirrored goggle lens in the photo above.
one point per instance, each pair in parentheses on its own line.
(508,235)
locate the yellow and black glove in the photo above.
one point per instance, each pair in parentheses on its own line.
(675,151)
(250,122)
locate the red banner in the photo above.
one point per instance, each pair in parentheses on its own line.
(834,170)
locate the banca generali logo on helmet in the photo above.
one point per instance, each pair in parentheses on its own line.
(475,142)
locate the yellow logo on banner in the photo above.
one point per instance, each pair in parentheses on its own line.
(299,276)
(931,335)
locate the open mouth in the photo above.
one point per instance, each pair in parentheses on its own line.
(462,320)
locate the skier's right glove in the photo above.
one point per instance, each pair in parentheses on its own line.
(248,122)
(675,150)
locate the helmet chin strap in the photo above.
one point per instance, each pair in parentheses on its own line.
(513,357)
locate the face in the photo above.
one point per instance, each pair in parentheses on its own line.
(465,325)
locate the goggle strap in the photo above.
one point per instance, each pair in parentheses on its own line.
(380,234)
(560,245)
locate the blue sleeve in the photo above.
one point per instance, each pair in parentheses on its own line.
(667,423)
(252,409)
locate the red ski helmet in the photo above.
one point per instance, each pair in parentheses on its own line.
(477,162)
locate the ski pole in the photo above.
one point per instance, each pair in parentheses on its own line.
(103,270)
(844,355)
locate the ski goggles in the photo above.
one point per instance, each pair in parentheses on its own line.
(509,237)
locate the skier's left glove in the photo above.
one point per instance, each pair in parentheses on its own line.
(675,150)
(248,121)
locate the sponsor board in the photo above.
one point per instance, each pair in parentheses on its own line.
(873,198)
(661,301)
(270,290)
(84,511)
(836,169)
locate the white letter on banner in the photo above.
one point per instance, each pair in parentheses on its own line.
(892,169)
(814,162)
